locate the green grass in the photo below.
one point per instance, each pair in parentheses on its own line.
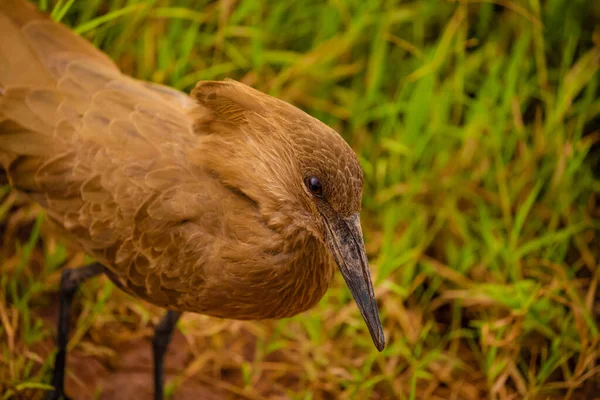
(477,125)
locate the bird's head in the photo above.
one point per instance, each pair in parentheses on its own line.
(299,172)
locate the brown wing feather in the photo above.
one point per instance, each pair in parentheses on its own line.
(99,150)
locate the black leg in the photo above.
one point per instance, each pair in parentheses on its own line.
(162,336)
(70,281)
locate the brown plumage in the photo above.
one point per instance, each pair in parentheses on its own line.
(228,202)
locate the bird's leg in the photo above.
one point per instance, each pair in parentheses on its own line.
(162,336)
(70,281)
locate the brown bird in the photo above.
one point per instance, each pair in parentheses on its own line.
(227,202)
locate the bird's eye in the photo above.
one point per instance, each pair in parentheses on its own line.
(314,185)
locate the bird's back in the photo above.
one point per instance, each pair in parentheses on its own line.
(100,151)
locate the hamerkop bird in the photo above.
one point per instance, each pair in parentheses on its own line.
(227,202)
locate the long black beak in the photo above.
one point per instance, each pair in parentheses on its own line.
(345,241)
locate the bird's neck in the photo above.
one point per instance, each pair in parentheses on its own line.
(305,276)
(301,268)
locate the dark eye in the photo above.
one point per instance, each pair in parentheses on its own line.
(314,185)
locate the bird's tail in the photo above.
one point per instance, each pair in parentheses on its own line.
(36,55)
(34,49)
(18,63)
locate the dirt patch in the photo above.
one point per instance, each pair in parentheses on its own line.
(130,377)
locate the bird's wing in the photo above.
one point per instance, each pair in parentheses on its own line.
(103,153)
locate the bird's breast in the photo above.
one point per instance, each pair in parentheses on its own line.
(245,282)
(276,283)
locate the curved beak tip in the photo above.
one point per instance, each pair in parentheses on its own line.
(375,328)
(380,343)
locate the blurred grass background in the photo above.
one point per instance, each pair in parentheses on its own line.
(477,124)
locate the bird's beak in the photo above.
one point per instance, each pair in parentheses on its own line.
(345,241)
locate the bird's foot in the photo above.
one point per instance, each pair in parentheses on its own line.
(54,395)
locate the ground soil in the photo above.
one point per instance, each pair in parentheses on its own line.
(131,377)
